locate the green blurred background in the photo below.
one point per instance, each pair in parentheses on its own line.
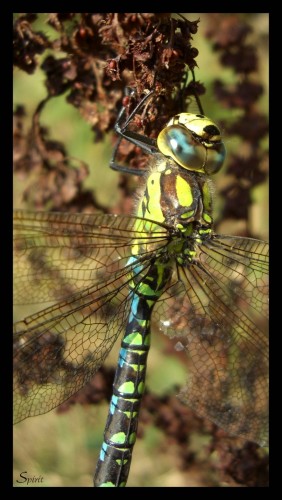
(63,449)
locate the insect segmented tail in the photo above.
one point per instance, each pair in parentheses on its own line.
(129,384)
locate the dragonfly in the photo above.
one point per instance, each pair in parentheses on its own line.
(107,276)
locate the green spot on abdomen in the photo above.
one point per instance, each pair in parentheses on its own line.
(121,462)
(138,368)
(141,388)
(119,438)
(127,388)
(145,289)
(132,438)
(134,338)
(130,414)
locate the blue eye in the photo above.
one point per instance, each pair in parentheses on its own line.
(178,142)
(215,158)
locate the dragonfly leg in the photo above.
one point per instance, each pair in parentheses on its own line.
(147,144)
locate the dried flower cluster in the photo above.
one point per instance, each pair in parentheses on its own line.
(103,54)
(228,34)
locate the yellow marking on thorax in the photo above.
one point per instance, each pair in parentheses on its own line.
(207,203)
(184,192)
(149,206)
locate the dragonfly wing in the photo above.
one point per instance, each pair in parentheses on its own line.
(57,350)
(57,254)
(80,263)
(217,310)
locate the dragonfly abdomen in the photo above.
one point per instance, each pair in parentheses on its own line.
(129,384)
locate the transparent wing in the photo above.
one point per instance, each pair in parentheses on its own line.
(57,254)
(78,262)
(217,309)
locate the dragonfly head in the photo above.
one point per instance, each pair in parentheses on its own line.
(193,142)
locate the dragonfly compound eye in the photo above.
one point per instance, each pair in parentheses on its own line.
(194,142)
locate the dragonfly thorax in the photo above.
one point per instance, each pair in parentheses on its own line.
(182,249)
(176,197)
